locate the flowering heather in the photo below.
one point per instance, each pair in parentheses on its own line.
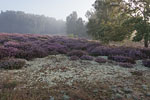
(29,46)
(74,58)
(86,57)
(55,47)
(134,53)
(3,40)
(36,52)
(146,63)
(100,51)
(116,51)
(11,44)
(7,52)
(21,45)
(91,46)
(78,53)
(100,60)
(76,45)
(122,59)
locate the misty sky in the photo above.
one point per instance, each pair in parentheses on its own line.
(52,8)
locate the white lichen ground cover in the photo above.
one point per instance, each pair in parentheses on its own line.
(122,83)
(59,69)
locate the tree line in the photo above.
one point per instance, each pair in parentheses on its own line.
(20,22)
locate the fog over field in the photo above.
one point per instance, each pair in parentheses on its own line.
(58,9)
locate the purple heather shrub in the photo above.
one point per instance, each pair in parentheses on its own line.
(37,52)
(122,59)
(146,63)
(25,54)
(11,44)
(78,53)
(60,40)
(126,65)
(3,40)
(116,51)
(19,38)
(22,54)
(33,52)
(32,39)
(79,46)
(21,45)
(51,47)
(12,52)
(86,57)
(74,58)
(136,54)
(100,51)
(12,63)
(76,46)
(146,51)
(91,46)
(3,52)
(62,50)
(100,60)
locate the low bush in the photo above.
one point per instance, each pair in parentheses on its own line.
(78,53)
(134,53)
(12,63)
(100,51)
(92,45)
(146,51)
(146,63)
(74,58)
(86,57)
(76,46)
(36,52)
(100,60)
(116,51)
(122,59)
(7,52)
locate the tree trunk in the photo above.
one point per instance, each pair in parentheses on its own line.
(146,43)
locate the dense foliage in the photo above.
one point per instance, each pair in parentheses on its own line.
(139,19)
(106,22)
(116,20)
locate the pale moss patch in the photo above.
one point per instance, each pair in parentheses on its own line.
(59,69)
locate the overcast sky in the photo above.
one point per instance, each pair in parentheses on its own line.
(52,8)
